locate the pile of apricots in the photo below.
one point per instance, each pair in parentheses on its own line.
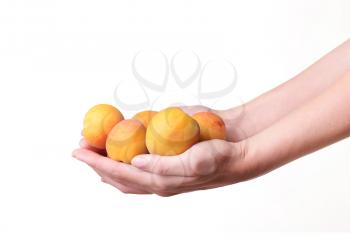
(168,132)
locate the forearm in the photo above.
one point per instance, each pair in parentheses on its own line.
(320,122)
(253,117)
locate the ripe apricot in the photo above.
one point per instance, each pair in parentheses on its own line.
(145,117)
(171,132)
(98,121)
(211,126)
(126,140)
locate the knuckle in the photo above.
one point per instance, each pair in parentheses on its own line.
(158,167)
(204,166)
(199,166)
(162,169)
(210,161)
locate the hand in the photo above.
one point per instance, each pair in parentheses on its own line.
(190,110)
(208,164)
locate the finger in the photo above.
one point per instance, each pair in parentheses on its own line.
(200,160)
(119,186)
(190,110)
(124,173)
(84,144)
(161,165)
(123,188)
(187,109)
(131,176)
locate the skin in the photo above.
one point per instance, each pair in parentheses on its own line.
(253,117)
(310,111)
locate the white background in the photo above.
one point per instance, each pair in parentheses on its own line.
(58,58)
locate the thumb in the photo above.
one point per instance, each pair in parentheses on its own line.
(162,165)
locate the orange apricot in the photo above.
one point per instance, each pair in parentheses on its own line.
(144,117)
(211,126)
(171,132)
(126,140)
(98,122)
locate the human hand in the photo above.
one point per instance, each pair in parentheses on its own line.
(206,165)
(190,110)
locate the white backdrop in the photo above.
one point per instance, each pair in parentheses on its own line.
(58,58)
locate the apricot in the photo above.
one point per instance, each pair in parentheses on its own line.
(171,132)
(211,126)
(98,122)
(126,140)
(145,117)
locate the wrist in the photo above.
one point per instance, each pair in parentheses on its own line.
(234,122)
(260,157)
(240,166)
(247,161)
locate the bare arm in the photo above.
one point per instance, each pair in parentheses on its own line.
(255,116)
(305,114)
(319,123)
(215,163)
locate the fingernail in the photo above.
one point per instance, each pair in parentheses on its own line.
(140,161)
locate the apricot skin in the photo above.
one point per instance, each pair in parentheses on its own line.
(211,126)
(171,132)
(126,140)
(145,117)
(98,122)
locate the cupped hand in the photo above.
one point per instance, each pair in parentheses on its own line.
(206,165)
